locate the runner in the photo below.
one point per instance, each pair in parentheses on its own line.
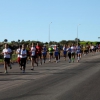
(44,52)
(99,48)
(39,53)
(96,47)
(6,52)
(28,53)
(87,49)
(18,52)
(78,53)
(65,51)
(23,57)
(56,52)
(50,49)
(33,56)
(84,50)
(11,61)
(92,49)
(59,53)
(69,53)
(73,51)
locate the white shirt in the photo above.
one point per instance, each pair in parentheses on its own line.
(64,49)
(6,52)
(92,47)
(33,50)
(23,53)
(73,49)
(19,51)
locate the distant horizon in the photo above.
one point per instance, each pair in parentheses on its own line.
(50,41)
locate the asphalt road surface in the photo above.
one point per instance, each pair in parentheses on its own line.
(51,81)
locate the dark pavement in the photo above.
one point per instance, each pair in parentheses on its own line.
(51,81)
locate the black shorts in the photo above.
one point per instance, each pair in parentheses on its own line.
(73,54)
(38,55)
(33,57)
(51,54)
(7,60)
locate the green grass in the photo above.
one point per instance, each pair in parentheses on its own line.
(14,57)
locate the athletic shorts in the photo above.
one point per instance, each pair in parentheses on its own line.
(91,50)
(51,54)
(65,52)
(73,53)
(33,57)
(86,51)
(78,51)
(7,60)
(56,53)
(44,54)
(38,55)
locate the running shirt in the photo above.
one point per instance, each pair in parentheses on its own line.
(56,51)
(87,47)
(18,51)
(64,50)
(44,50)
(39,49)
(78,49)
(69,50)
(99,46)
(92,47)
(59,49)
(6,52)
(96,46)
(84,48)
(73,49)
(23,53)
(50,50)
(33,51)
(28,50)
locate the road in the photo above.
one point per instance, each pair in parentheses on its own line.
(51,81)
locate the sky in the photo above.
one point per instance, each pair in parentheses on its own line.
(31,20)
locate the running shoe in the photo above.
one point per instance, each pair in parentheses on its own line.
(20,68)
(41,63)
(5,71)
(10,66)
(56,61)
(37,64)
(32,69)
(23,71)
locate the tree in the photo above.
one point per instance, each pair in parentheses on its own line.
(12,42)
(77,39)
(5,40)
(63,42)
(28,42)
(52,43)
(22,41)
(18,41)
(46,43)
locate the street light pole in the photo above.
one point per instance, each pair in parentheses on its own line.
(77,34)
(49,33)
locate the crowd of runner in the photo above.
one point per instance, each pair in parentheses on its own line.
(38,54)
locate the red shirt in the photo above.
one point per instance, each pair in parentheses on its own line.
(38,49)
